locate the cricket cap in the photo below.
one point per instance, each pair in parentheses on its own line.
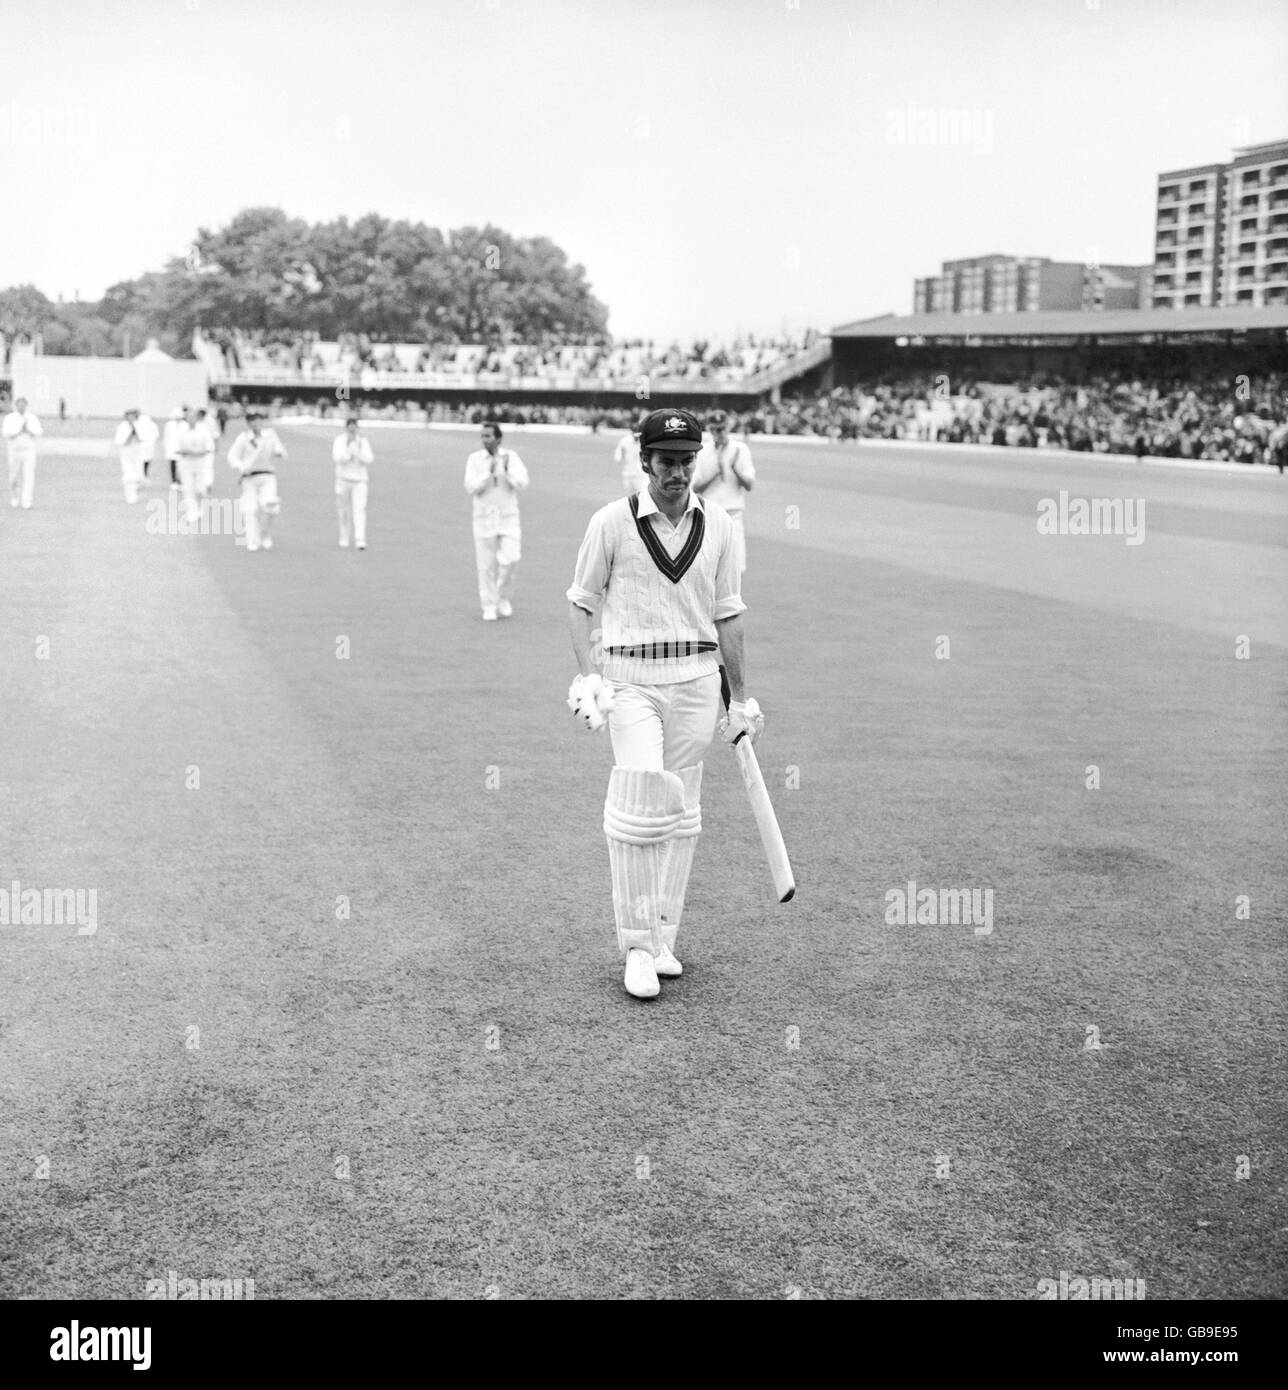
(671,429)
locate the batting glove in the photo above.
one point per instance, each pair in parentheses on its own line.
(744,717)
(590,698)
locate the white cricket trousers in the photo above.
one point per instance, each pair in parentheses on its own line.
(663,728)
(133,458)
(653,813)
(351,509)
(22,475)
(496,557)
(259,504)
(190,482)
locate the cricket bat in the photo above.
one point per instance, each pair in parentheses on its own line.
(762,808)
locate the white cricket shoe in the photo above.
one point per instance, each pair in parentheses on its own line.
(641,977)
(666,964)
(489,615)
(344,544)
(362,545)
(252,545)
(13,501)
(504,608)
(267,542)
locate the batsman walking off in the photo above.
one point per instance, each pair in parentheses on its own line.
(663,567)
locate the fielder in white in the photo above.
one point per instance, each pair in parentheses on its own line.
(170,442)
(352,456)
(136,438)
(254,454)
(494,477)
(662,565)
(627,458)
(21,429)
(192,443)
(724,473)
(206,470)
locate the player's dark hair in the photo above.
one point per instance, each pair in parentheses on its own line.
(492,425)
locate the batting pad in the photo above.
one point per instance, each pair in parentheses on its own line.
(641,812)
(677,857)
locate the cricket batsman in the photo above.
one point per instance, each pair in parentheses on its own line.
(662,565)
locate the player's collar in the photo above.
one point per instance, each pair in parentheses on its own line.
(647,505)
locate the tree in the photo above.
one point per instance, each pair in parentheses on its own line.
(387,279)
(24,310)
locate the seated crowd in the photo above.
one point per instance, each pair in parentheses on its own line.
(570,363)
(1239,420)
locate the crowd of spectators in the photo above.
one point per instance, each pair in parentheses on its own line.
(1243,419)
(592,362)
(1203,416)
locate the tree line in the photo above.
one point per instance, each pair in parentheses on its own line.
(395,281)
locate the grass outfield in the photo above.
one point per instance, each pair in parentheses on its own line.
(199,1075)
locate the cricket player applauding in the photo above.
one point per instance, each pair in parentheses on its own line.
(725,474)
(352,456)
(254,454)
(663,566)
(494,477)
(21,429)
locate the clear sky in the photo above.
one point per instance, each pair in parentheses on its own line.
(716,165)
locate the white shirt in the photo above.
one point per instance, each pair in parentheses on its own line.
(627,454)
(641,604)
(716,466)
(496,507)
(170,437)
(144,430)
(253,455)
(192,441)
(21,429)
(351,458)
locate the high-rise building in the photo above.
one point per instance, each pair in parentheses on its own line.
(1221,232)
(1018,284)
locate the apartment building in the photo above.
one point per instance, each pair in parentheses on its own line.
(1221,232)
